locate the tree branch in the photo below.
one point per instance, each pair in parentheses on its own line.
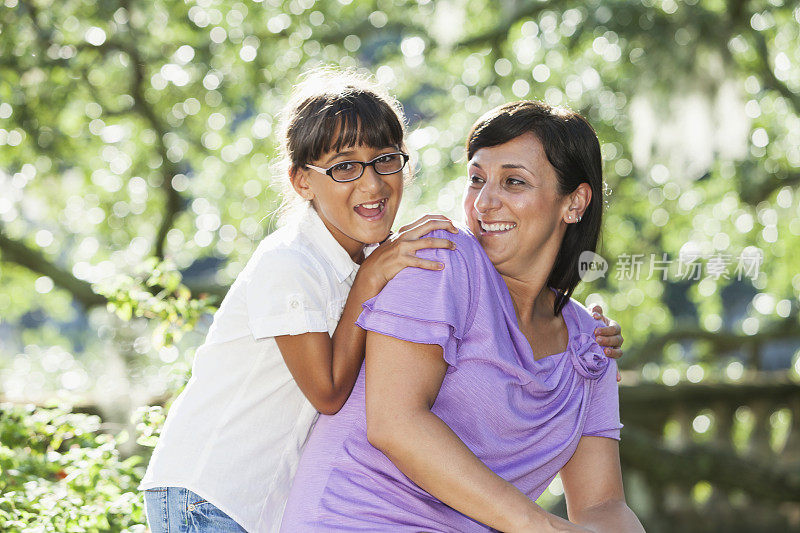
(768,75)
(173,204)
(501,29)
(18,252)
(753,194)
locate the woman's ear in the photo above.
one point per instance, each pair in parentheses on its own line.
(299,180)
(579,200)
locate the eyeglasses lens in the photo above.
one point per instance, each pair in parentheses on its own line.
(386,164)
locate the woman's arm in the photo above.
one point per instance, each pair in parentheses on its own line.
(402,382)
(326,367)
(593,487)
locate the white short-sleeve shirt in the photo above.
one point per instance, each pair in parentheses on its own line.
(235,433)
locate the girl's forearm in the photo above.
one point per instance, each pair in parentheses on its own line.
(426,450)
(348,341)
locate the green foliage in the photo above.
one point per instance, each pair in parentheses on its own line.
(161,298)
(149,421)
(60,472)
(150,129)
(137,141)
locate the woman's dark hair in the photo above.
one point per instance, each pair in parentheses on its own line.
(336,109)
(571,146)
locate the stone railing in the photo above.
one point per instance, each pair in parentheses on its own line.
(713,456)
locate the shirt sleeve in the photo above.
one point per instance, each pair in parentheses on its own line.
(602,419)
(285,295)
(425,306)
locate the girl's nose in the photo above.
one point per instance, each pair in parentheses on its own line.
(370,181)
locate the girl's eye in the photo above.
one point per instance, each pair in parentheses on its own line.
(343,167)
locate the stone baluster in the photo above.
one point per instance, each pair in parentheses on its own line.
(791,450)
(724,413)
(762,430)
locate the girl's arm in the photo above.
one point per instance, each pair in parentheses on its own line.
(324,367)
(403,380)
(593,487)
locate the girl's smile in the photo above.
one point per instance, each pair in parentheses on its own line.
(372,211)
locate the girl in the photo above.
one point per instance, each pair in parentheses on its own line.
(284,345)
(274,356)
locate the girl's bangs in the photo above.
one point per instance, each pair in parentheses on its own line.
(363,123)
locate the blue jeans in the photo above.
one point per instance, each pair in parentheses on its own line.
(178,510)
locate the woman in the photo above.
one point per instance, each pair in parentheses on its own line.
(483,381)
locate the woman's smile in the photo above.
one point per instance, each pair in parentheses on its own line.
(495,228)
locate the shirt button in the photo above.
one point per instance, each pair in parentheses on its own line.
(191,507)
(295,304)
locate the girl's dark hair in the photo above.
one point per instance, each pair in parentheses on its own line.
(571,146)
(334,109)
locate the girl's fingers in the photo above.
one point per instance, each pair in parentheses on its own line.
(597,313)
(612,341)
(418,223)
(608,331)
(429,226)
(424,263)
(613,353)
(431,242)
(619,376)
(421,220)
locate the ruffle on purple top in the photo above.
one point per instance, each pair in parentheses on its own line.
(428,331)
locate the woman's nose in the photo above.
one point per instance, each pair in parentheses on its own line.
(487,199)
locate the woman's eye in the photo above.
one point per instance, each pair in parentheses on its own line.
(475,180)
(514,181)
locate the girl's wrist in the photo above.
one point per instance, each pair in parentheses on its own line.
(368,282)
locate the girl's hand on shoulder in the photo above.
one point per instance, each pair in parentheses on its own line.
(399,250)
(609,336)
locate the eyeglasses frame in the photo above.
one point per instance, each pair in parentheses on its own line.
(364,165)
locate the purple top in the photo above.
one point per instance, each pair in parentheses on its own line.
(521,417)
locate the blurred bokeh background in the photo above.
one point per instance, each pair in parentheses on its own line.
(137,151)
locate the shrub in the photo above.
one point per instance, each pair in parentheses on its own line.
(60,472)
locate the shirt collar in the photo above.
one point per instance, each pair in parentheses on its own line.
(330,249)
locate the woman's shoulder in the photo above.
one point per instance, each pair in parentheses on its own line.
(584,320)
(469,251)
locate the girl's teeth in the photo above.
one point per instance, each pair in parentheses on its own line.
(371,206)
(496,227)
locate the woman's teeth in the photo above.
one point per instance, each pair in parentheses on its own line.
(371,206)
(500,226)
